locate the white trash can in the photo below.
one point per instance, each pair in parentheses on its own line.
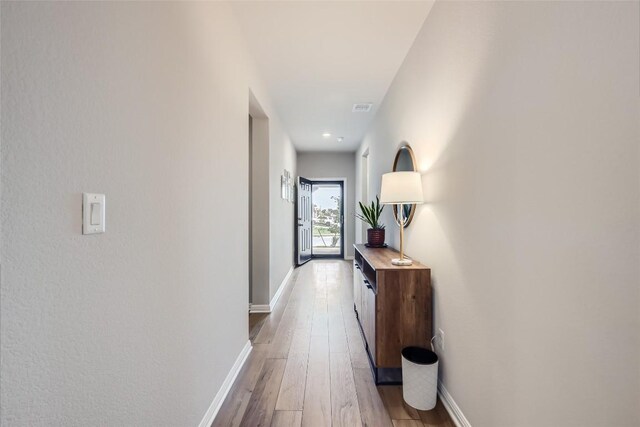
(419,377)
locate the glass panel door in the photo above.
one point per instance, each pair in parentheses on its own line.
(327,219)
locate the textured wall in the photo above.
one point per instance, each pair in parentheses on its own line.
(148,103)
(335,165)
(282,155)
(524,117)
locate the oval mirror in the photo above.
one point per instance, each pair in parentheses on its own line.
(405,161)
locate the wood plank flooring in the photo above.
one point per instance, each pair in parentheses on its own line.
(309,367)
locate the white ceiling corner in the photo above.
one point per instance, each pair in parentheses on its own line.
(318,58)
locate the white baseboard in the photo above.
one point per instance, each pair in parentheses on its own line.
(283,285)
(452,407)
(211,413)
(264,308)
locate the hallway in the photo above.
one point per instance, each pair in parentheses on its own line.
(309,367)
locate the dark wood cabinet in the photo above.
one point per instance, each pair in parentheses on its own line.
(393,307)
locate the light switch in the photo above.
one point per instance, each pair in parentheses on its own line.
(93,213)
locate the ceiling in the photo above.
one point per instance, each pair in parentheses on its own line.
(318,58)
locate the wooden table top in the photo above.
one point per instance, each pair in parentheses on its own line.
(380,258)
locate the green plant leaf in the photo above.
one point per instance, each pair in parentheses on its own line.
(371,214)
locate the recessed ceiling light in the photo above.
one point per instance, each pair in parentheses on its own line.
(340,138)
(326,135)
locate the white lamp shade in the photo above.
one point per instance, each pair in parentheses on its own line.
(401,188)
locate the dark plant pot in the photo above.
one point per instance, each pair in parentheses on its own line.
(375,237)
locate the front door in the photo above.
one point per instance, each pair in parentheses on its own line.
(327,220)
(304,239)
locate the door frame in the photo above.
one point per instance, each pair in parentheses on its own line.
(364,191)
(343,186)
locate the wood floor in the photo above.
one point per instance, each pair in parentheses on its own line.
(308,366)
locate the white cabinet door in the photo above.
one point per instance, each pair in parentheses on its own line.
(368,317)
(357,288)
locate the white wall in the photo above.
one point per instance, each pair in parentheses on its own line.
(148,103)
(282,155)
(524,117)
(260,256)
(334,165)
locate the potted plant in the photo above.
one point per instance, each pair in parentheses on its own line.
(371,215)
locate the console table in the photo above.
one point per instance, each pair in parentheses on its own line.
(393,307)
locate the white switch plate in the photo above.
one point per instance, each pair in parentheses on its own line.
(93,213)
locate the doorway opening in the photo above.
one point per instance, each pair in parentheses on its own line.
(258,204)
(327,219)
(364,191)
(250,216)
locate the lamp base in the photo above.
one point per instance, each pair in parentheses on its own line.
(403,261)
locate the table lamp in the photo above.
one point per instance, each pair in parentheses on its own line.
(401,188)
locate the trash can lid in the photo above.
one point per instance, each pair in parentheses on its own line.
(419,355)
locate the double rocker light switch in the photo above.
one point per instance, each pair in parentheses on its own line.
(93,213)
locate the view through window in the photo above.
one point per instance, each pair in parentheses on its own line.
(327,219)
